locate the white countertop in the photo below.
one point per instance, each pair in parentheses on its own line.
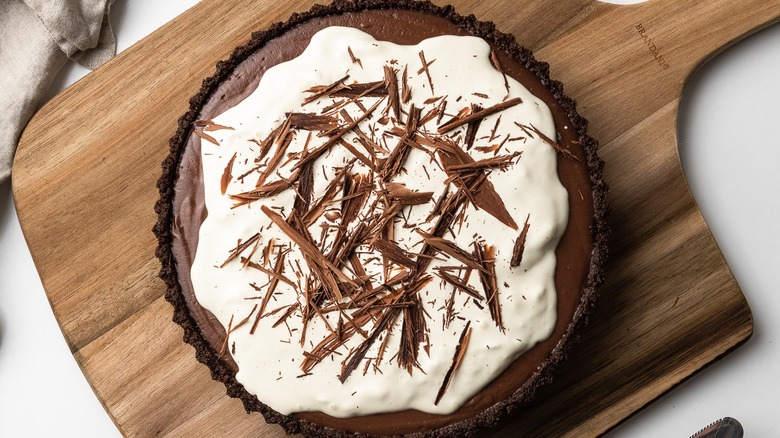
(730,148)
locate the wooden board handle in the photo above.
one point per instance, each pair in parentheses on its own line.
(625,62)
(703,29)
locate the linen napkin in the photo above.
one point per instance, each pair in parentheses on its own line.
(37,37)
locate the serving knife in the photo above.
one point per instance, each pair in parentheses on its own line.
(726,427)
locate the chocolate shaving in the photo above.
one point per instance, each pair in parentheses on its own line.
(312,122)
(393,252)
(457,358)
(530,130)
(406,91)
(332,215)
(501,162)
(438,143)
(488,149)
(231,328)
(357,355)
(206,137)
(245,260)
(497,65)
(487,276)
(438,206)
(466,110)
(304,190)
(270,273)
(458,283)
(435,112)
(264,191)
(399,192)
(391,85)
(449,126)
(289,310)
(209,125)
(395,161)
(413,333)
(352,57)
(240,247)
(382,348)
(450,207)
(245,320)
(443,110)
(265,145)
(278,267)
(451,249)
(425,69)
(318,208)
(360,272)
(480,190)
(324,91)
(247,173)
(360,89)
(472,127)
(353,97)
(356,193)
(227,174)
(506,138)
(282,139)
(359,104)
(362,158)
(227,336)
(517,251)
(367,142)
(495,128)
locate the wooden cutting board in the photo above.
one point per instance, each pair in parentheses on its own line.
(84,185)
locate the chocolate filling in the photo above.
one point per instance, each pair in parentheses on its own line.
(580,253)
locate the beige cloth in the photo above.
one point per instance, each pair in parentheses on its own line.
(37,37)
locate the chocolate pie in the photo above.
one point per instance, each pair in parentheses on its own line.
(382,218)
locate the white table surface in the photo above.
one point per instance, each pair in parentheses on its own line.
(730,147)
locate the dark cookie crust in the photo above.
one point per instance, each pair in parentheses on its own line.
(486,30)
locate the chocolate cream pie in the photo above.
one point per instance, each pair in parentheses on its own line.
(381,218)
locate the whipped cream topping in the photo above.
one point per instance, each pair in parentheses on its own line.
(335,353)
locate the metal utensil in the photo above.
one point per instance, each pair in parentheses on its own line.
(726,427)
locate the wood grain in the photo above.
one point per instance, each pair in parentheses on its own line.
(84,186)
